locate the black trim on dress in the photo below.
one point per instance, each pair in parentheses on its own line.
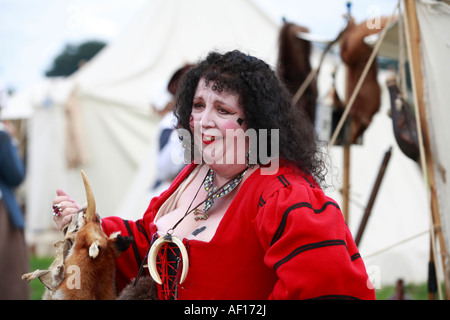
(306,247)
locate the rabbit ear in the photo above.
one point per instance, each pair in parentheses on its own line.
(90,210)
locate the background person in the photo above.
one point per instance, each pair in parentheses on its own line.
(13,249)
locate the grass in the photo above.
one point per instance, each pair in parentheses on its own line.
(415,291)
(37,288)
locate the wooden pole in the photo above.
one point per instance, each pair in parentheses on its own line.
(432,281)
(373,195)
(426,156)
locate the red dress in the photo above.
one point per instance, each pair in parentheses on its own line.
(281,238)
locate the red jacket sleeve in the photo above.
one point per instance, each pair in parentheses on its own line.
(129,262)
(309,245)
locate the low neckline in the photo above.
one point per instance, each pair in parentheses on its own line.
(181,188)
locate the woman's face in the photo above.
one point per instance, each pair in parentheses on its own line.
(216,121)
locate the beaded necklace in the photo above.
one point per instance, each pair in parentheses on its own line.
(214,192)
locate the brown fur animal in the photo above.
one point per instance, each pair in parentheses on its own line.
(355,53)
(84,265)
(294,66)
(144,289)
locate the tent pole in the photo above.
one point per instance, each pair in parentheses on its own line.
(432,282)
(426,156)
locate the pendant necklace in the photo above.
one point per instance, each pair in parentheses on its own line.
(213,194)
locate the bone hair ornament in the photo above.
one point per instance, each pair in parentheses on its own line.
(168,238)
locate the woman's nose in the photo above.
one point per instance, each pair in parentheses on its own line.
(207,119)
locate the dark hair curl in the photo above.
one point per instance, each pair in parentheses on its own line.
(266,103)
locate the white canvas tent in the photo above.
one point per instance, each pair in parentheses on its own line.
(118,130)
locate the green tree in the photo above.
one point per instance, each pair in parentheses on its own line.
(72,57)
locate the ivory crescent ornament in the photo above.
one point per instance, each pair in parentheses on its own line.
(154,252)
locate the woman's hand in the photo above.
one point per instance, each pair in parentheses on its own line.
(68,207)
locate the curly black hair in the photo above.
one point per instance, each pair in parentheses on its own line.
(266,103)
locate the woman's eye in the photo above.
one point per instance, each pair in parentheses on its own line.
(198,105)
(222,110)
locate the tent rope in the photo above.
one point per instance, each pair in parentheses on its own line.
(376,253)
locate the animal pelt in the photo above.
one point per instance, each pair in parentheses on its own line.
(355,53)
(294,66)
(144,289)
(96,265)
(84,264)
(55,274)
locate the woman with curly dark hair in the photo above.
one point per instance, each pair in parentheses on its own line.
(253,228)
(266,104)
